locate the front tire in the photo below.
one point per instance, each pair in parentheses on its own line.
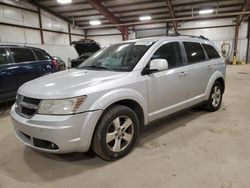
(116,133)
(215,98)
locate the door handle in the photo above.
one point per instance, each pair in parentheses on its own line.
(183,74)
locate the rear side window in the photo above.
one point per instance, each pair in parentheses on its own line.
(22,55)
(3,56)
(171,52)
(41,56)
(195,52)
(211,51)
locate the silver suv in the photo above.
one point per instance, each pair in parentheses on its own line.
(103,103)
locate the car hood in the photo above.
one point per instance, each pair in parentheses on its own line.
(68,83)
(85,47)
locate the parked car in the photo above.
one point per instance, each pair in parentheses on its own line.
(104,102)
(19,64)
(85,48)
(60,63)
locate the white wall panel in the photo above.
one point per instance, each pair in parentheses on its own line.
(61,39)
(20,3)
(103,31)
(11,15)
(51,22)
(30,19)
(56,38)
(48,37)
(18,16)
(107,40)
(32,36)
(76,38)
(12,34)
(150,33)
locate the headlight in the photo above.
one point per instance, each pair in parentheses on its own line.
(61,106)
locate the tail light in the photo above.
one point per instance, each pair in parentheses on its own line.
(54,63)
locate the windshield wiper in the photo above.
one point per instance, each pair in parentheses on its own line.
(95,67)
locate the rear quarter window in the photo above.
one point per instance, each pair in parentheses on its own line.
(195,52)
(22,55)
(211,51)
(41,55)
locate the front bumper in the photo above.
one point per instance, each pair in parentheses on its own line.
(56,134)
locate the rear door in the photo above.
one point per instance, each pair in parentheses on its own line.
(44,62)
(7,76)
(26,67)
(199,71)
(167,90)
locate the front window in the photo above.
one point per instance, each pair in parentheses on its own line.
(117,57)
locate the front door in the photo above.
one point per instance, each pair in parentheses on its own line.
(167,90)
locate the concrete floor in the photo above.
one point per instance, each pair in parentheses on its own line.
(195,149)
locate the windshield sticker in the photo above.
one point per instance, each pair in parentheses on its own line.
(144,43)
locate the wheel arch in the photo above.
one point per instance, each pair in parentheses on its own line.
(222,82)
(217,76)
(126,97)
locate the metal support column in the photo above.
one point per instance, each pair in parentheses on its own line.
(40,25)
(236,36)
(69,29)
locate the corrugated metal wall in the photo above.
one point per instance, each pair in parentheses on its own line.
(10,34)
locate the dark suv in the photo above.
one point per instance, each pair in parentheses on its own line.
(19,64)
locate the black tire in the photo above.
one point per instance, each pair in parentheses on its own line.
(108,125)
(210,105)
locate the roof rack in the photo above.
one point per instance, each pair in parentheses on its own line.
(193,36)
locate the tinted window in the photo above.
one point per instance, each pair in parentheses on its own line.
(3,57)
(195,52)
(22,55)
(211,51)
(40,55)
(171,52)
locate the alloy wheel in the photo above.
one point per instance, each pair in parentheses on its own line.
(119,133)
(216,96)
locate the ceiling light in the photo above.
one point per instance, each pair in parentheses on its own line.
(145,18)
(94,22)
(64,1)
(206,11)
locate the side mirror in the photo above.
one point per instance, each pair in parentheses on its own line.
(156,65)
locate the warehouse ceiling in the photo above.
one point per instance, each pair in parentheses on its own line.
(83,11)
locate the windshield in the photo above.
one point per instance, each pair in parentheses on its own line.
(117,57)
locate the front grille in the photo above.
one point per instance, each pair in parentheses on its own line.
(26,106)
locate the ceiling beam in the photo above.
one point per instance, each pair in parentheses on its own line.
(159,16)
(172,14)
(186,18)
(109,16)
(161,11)
(134,4)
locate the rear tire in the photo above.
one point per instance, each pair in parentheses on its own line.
(215,97)
(116,133)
